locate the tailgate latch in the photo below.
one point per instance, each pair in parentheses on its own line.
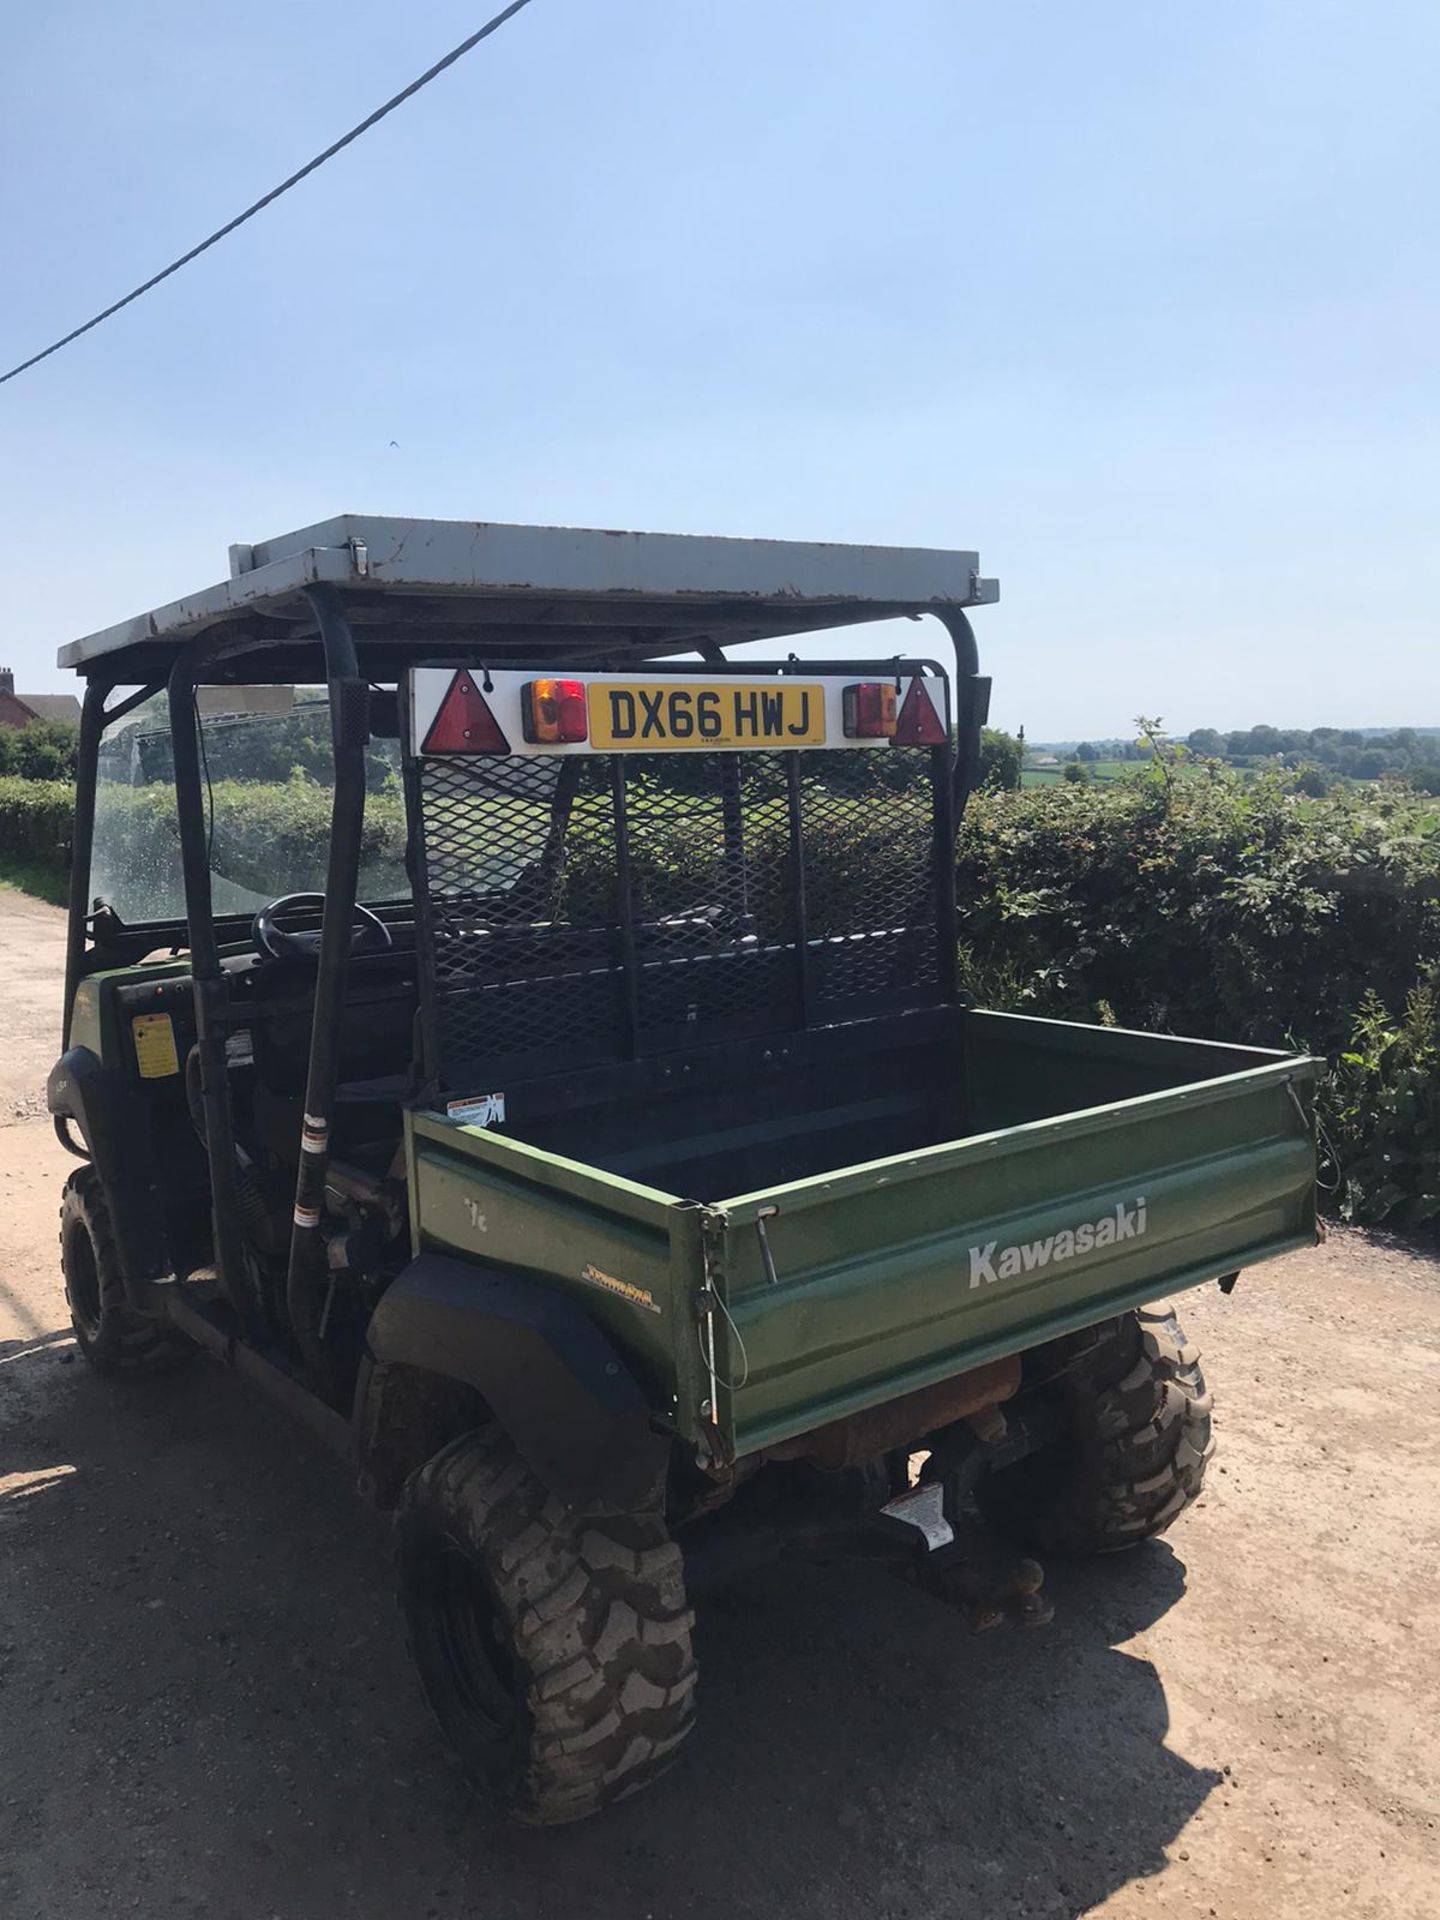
(766,1256)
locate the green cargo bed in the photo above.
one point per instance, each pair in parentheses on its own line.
(902,1200)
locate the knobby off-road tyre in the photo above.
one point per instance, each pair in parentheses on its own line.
(554,1651)
(1133,1454)
(108,1331)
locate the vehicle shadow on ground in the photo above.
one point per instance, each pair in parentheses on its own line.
(205,1707)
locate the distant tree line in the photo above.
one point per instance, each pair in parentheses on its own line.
(1317,755)
(1345,751)
(1088,752)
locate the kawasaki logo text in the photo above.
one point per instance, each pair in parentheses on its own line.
(1006,1263)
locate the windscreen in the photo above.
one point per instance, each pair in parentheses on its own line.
(267,782)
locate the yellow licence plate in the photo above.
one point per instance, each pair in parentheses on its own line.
(661,715)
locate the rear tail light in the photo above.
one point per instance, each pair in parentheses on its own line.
(870,710)
(552,712)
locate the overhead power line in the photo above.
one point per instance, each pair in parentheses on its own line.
(370,120)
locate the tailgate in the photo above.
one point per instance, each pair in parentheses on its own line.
(892,1275)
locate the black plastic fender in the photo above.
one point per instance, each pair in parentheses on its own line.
(543,1367)
(115,1126)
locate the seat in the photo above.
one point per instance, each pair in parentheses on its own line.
(376,1051)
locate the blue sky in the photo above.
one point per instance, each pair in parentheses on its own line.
(1141,300)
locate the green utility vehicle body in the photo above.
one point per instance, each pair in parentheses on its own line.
(548,1074)
(1186,1160)
(1110,1167)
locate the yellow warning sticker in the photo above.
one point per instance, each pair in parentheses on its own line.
(155,1053)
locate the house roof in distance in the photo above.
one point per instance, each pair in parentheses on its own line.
(52,706)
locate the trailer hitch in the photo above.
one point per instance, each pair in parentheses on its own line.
(955,1556)
(961,1563)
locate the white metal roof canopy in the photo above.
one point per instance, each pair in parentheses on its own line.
(553,585)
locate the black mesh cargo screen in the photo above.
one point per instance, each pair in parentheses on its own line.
(594,908)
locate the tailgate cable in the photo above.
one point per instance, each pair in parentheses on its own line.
(712,1298)
(707,1301)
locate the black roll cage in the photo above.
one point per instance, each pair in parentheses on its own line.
(213,655)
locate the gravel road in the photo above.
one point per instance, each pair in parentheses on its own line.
(205,1707)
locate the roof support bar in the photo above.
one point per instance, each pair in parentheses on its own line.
(95,716)
(350,730)
(92,725)
(212,1000)
(972,707)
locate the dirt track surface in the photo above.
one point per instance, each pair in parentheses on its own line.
(205,1707)
(32,978)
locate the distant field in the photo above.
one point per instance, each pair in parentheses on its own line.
(1099,770)
(1103,770)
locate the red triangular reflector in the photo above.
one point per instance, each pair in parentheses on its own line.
(918,724)
(464,723)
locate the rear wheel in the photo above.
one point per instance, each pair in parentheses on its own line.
(113,1337)
(555,1651)
(1134,1449)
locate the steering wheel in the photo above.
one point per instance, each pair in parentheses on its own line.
(272,939)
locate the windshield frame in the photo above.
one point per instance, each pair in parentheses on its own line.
(267,790)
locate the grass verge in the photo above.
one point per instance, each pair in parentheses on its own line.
(41,882)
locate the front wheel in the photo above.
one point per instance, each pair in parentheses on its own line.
(113,1337)
(1132,1453)
(554,1650)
